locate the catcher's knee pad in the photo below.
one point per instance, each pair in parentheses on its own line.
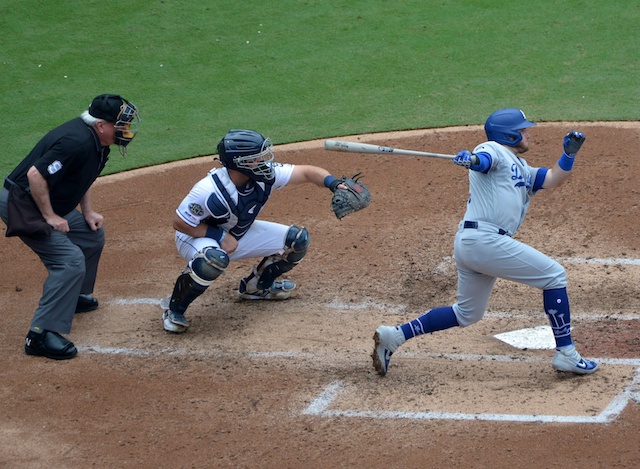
(207,265)
(296,244)
(296,247)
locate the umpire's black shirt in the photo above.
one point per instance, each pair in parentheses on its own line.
(70,158)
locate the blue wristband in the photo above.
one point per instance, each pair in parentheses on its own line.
(566,162)
(329,181)
(215,233)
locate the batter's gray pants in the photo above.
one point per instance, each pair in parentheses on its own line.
(482,256)
(71,260)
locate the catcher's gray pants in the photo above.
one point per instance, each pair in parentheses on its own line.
(71,260)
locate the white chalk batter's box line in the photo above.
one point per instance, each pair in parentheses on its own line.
(368,305)
(323,357)
(320,407)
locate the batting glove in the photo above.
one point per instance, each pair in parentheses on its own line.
(464,158)
(572,143)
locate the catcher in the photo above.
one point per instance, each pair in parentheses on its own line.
(217,223)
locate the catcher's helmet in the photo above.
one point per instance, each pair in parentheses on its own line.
(504,125)
(248,152)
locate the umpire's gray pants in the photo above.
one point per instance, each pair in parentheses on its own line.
(71,259)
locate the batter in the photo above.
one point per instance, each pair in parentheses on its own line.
(501,184)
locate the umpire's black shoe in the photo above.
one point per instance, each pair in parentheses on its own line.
(49,344)
(86,303)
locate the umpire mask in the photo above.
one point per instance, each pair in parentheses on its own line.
(126,126)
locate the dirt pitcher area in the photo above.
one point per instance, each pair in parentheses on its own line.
(290,384)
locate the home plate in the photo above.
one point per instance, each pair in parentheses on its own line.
(540,337)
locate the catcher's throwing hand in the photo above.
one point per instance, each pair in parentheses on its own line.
(349,195)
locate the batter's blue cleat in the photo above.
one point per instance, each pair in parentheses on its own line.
(279,290)
(387,340)
(568,359)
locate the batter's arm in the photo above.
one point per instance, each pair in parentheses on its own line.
(562,169)
(555,177)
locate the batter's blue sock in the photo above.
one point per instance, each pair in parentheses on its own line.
(556,305)
(436,319)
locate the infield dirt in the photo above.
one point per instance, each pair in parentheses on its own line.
(239,389)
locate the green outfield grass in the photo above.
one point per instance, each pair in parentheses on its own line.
(300,70)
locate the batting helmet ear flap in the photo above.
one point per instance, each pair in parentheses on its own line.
(504,126)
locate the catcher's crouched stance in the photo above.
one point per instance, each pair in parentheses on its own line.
(216,223)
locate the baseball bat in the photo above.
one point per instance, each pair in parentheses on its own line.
(353,147)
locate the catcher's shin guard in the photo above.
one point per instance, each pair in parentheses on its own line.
(202,270)
(296,246)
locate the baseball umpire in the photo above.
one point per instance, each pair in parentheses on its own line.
(216,223)
(57,176)
(500,186)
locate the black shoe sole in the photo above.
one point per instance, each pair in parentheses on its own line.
(40,353)
(87,306)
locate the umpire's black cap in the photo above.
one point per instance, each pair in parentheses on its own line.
(107,107)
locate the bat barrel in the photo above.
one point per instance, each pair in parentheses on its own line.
(356,147)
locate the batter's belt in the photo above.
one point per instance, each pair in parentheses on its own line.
(482,225)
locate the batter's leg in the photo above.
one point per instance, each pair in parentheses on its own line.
(567,358)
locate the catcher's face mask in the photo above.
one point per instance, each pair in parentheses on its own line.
(126,126)
(260,164)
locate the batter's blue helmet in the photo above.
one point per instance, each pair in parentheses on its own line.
(504,125)
(248,152)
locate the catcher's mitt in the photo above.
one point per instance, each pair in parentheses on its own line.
(354,198)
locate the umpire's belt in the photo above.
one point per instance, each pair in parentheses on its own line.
(474,225)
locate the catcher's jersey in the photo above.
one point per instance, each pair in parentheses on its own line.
(216,201)
(502,195)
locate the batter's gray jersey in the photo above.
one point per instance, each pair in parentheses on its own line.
(502,195)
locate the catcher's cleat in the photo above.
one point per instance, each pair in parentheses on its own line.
(174,322)
(279,290)
(387,340)
(86,303)
(568,359)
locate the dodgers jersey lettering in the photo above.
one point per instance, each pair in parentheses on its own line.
(502,195)
(216,201)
